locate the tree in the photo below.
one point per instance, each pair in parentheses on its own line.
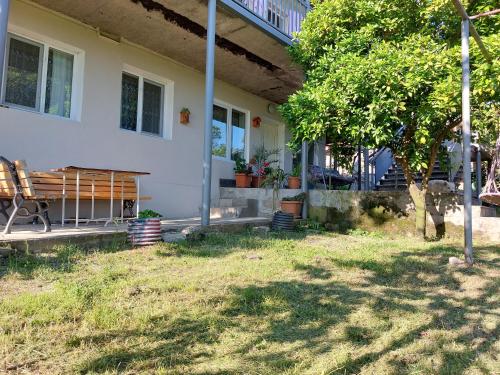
(388,73)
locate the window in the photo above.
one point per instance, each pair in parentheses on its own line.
(238,135)
(39,77)
(219,132)
(142,105)
(228,132)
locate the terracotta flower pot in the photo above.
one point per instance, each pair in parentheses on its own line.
(242,180)
(293,182)
(292,207)
(257,181)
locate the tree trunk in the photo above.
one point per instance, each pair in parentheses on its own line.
(419,199)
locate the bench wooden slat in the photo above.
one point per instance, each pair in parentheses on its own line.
(59,181)
(101,189)
(83,177)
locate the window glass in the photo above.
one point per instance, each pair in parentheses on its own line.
(152,108)
(238,135)
(219,132)
(23,73)
(130,100)
(59,83)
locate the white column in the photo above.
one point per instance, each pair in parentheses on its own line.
(209,104)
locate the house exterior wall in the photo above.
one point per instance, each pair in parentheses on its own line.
(96,140)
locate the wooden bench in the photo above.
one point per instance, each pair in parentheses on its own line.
(16,188)
(42,187)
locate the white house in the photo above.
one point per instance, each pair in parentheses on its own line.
(101,83)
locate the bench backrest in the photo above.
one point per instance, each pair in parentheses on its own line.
(8,183)
(51,184)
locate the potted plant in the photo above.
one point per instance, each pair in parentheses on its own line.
(146,230)
(294,177)
(242,172)
(185,116)
(293,205)
(261,165)
(275,179)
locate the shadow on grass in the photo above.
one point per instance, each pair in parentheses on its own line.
(176,342)
(298,315)
(62,259)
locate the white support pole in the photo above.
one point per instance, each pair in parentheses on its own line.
(209,103)
(63,213)
(4,21)
(111,201)
(137,202)
(92,209)
(121,200)
(77,198)
(466,124)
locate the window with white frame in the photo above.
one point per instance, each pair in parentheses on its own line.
(40,77)
(142,104)
(229,132)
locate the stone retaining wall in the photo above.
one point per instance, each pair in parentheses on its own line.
(370,210)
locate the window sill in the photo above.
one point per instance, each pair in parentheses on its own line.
(220,158)
(38,113)
(145,134)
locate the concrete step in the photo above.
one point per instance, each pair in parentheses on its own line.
(225,212)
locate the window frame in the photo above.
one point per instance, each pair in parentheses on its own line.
(167,86)
(229,144)
(46,43)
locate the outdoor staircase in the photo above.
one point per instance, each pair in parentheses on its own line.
(394,179)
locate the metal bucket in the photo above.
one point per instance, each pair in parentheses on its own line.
(283,221)
(143,232)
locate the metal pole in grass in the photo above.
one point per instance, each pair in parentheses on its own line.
(209,104)
(467,30)
(305,187)
(4,20)
(466,142)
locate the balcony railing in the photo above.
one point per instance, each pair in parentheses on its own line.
(285,16)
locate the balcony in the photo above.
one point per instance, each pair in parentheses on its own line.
(283,16)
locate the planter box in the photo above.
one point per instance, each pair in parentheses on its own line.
(143,232)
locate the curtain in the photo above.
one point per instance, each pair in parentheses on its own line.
(59,83)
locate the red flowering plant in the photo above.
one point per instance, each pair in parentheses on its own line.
(262,161)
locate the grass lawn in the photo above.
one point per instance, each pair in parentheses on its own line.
(307,303)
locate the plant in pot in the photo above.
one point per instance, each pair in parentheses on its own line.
(242,172)
(293,205)
(275,179)
(294,177)
(145,230)
(261,164)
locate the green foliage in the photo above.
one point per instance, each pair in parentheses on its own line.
(388,73)
(148,214)
(296,198)
(296,170)
(240,166)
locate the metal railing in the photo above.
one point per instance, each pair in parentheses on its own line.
(283,15)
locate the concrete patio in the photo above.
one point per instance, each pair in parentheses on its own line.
(32,239)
